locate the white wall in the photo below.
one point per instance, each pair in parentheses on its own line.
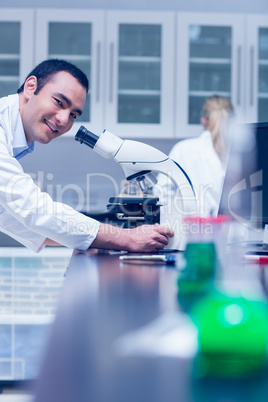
(236,6)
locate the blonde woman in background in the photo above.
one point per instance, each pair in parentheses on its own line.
(204,158)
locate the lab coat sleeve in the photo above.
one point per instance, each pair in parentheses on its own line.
(26,212)
(15,229)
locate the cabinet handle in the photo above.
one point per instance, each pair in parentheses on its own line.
(238,76)
(111,86)
(251,72)
(98,51)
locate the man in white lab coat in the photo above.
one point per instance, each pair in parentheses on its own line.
(45,107)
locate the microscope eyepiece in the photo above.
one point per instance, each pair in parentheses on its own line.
(107,144)
(85,136)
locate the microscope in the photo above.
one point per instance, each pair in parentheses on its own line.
(141,164)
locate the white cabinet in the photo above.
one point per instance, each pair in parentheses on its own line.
(128,57)
(139,74)
(210,60)
(16,48)
(257,68)
(76,36)
(149,72)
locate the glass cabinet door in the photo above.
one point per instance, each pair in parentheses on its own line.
(10,57)
(15,36)
(139,74)
(263,74)
(77,37)
(257,62)
(209,63)
(209,66)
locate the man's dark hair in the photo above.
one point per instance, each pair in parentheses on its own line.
(48,68)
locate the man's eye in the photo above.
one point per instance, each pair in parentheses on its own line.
(73,116)
(59,102)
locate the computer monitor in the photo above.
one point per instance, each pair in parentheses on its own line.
(245,189)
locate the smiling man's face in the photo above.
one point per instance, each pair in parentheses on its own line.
(51,112)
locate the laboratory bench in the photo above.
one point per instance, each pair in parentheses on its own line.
(116,331)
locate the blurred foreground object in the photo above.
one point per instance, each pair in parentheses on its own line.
(232,336)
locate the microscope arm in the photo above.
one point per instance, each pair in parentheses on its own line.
(135,157)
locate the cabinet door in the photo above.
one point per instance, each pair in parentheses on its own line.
(209,62)
(257,67)
(139,96)
(16,48)
(76,36)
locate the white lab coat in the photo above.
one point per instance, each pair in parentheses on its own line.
(27,214)
(202,164)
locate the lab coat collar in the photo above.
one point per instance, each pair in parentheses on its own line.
(207,134)
(19,142)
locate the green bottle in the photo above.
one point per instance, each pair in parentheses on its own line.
(199,267)
(232,335)
(196,277)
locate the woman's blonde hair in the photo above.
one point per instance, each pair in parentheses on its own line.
(218,110)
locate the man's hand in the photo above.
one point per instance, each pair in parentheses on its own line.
(149,238)
(145,238)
